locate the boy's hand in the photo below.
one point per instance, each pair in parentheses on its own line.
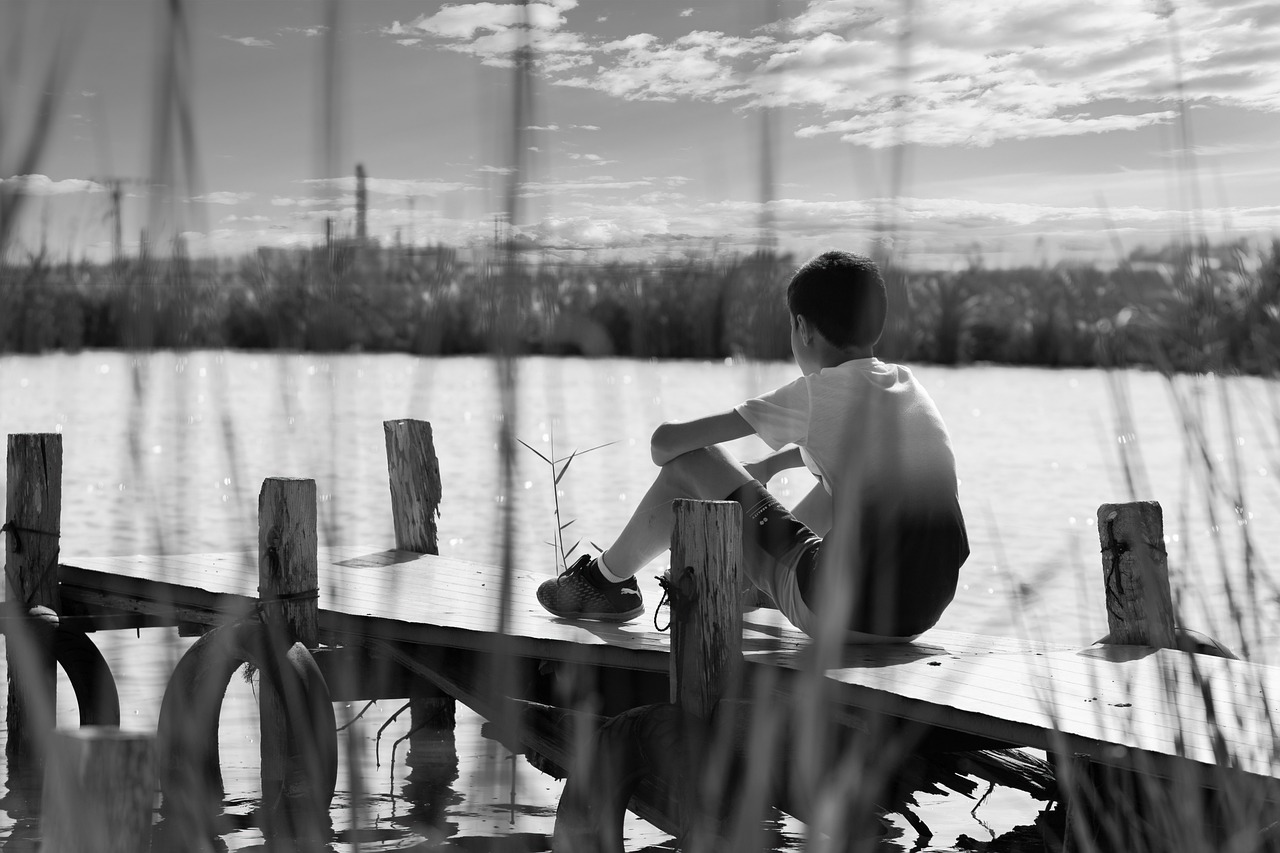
(759,470)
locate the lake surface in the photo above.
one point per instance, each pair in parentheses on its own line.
(165,453)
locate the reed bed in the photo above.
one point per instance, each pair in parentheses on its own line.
(1176,313)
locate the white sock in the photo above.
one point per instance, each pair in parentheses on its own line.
(604,570)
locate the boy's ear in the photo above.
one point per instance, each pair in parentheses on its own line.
(806,329)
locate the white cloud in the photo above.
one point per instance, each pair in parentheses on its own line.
(975,73)
(586,127)
(685,13)
(464,20)
(223,197)
(255,218)
(698,66)
(391,186)
(408,42)
(250,41)
(43,185)
(593,159)
(310,32)
(548,127)
(285,201)
(593,184)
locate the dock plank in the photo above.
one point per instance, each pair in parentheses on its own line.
(1122,705)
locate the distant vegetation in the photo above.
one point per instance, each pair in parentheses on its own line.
(1208,310)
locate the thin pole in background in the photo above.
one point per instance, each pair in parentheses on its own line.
(508,298)
(768,232)
(1189,184)
(898,156)
(174,176)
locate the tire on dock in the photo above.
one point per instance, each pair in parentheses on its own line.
(187,739)
(97,698)
(90,677)
(656,740)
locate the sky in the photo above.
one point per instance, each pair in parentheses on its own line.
(1010,131)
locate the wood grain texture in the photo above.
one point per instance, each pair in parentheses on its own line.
(287,556)
(33,526)
(706,611)
(1136,575)
(99,791)
(33,519)
(414,474)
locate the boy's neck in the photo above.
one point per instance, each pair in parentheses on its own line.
(829,356)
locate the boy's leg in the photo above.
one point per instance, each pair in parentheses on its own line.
(814,510)
(707,474)
(584,592)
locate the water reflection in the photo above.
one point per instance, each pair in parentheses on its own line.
(21,801)
(428,789)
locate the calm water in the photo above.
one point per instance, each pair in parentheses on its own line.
(166,452)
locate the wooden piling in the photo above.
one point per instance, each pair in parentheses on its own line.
(99,791)
(706,613)
(1135,572)
(414,475)
(33,526)
(288,577)
(413,471)
(288,588)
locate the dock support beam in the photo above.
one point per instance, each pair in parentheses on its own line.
(33,527)
(706,647)
(1139,602)
(288,587)
(413,472)
(99,791)
(706,613)
(668,744)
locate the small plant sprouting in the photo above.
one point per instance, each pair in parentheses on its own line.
(560,467)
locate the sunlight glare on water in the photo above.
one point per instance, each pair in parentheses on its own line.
(176,464)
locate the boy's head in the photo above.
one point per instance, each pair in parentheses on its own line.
(843,296)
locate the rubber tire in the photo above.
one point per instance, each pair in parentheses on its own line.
(187,736)
(90,677)
(648,739)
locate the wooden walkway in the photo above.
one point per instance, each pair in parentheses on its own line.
(1126,706)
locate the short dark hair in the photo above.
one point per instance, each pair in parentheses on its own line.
(843,296)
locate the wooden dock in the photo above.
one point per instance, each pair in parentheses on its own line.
(1125,706)
(342,623)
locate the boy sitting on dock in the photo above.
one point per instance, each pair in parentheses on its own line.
(876,546)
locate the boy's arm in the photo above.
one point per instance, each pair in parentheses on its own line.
(674,438)
(769,467)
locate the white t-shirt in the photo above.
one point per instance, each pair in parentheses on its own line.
(864,428)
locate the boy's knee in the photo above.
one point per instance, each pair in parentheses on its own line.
(707,471)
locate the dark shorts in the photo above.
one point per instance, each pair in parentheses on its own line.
(904,569)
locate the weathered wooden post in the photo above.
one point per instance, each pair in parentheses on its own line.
(288,588)
(413,471)
(706,648)
(706,613)
(33,526)
(1135,573)
(99,791)
(414,474)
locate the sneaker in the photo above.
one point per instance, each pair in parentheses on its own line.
(583,593)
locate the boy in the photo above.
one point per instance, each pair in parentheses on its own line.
(876,547)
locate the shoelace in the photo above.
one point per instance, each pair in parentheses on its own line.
(666,599)
(579,566)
